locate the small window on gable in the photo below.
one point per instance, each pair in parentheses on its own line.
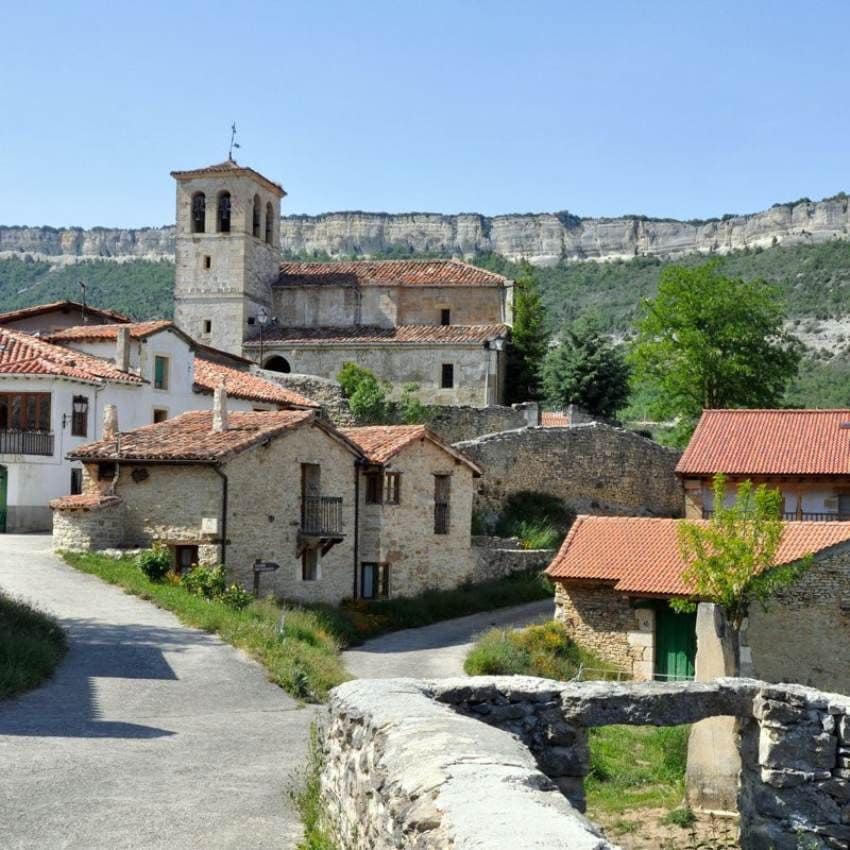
(447,377)
(255,221)
(199,212)
(223,213)
(160,372)
(269,222)
(445,316)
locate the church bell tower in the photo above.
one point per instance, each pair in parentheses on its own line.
(227,251)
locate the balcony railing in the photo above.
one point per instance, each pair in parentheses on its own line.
(321,516)
(26,443)
(805,516)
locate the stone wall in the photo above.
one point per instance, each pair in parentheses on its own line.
(323,391)
(476,762)
(85,530)
(492,562)
(594,468)
(454,424)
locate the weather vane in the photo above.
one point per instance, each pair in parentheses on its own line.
(233,142)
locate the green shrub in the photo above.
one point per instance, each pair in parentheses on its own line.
(411,409)
(206,582)
(683,817)
(536,534)
(350,377)
(236,597)
(155,562)
(539,520)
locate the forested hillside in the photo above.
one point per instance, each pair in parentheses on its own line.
(814,279)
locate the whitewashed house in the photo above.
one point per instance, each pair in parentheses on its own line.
(53,390)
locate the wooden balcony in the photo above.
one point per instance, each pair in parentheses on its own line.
(26,443)
(803,516)
(321,523)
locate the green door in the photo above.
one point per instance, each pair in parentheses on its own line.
(675,644)
(4,481)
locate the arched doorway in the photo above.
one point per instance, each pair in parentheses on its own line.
(277,364)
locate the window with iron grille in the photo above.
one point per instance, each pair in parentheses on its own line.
(392,488)
(374,581)
(442,491)
(80,416)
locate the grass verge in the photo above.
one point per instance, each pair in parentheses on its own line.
(31,645)
(302,656)
(308,800)
(354,622)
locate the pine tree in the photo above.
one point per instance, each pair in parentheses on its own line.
(529,340)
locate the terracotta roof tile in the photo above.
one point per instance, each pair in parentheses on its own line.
(641,555)
(388,273)
(380,443)
(229,166)
(189,437)
(401,334)
(84,502)
(245,385)
(769,442)
(38,309)
(138,330)
(23,353)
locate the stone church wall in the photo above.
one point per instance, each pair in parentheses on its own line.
(594,468)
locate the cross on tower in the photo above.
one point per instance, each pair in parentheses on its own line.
(233,142)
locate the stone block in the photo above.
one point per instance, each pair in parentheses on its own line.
(800,747)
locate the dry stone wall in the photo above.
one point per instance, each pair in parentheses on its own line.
(454,424)
(89,529)
(475,762)
(595,468)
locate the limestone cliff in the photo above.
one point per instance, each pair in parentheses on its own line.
(542,238)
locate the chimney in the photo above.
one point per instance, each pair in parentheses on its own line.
(110,422)
(219,417)
(122,349)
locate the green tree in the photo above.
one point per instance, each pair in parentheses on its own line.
(529,339)
(709,341)
(411,409)
(367,396)
(731,560)
(588,370)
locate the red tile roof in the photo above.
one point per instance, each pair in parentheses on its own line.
(190,438)
(401,335)
(25,354)
(641,555)
(388,273)
(769,442)
(229,166)
(245,385)
(66,306)
(380,443)
(84,503)
(138,330)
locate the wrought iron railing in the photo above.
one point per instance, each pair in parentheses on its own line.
(441,518)
(804,516)
(26,443)
(321,516)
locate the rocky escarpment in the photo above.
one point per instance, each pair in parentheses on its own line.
(543,238)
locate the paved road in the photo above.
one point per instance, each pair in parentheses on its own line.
(438,650)
(150,735)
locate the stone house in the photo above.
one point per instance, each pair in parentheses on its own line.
(361,513)
(56,380)
(46,318)
(415,511)
(441,324)
(803,453)
(614,577)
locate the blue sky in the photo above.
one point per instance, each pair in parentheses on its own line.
(681,109)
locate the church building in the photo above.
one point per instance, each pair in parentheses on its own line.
(441,324)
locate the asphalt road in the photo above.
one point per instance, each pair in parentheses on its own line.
(150,735)
(439,650)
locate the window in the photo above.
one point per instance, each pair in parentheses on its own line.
(80,416)
(76,482)
(269,222)
(252,320)
(310,565)
(445,316)
(374,581)
(106,471)
(185,557)
(160,372)
(447,379)
(160,414)
(442,490)
(255,221)
(207,326)
(207,262)
(223,213)
(392,488)
(199,212)
(24,411)
(374,496)
(277,364)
